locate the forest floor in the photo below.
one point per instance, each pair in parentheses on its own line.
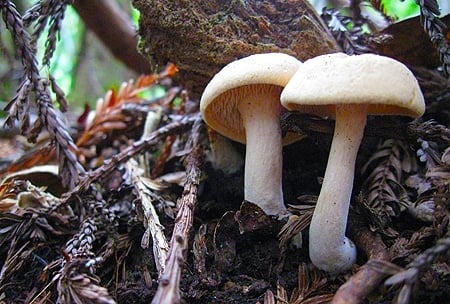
(155,218)
(137,201)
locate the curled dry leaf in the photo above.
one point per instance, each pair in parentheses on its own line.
(7,196)
(42,176)
(226,235)
(251,218)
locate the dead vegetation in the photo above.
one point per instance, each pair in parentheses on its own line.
(124,205)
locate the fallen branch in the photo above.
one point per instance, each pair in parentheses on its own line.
(151,221)
(362,283)
(118,25)
(169,284)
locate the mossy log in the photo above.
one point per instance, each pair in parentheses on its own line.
(200,37)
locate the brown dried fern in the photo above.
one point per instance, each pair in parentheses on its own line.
(136,148)
(407,278)
(311,286)
(434,182)
(45,12)
(23,231)
(436,30)
(298,221)
(432,185)
(349,37)
(430,130)
(19,106)
(405,248)
(437,163)
(310,289)
(81,243)
(383,186)
(109,112)
(76,283)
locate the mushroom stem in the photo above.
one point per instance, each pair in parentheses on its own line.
(329,248)
(263,158)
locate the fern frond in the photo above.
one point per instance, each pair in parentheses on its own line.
(19,106)
(383,186)
(109,114)
(436,30)
(346,31)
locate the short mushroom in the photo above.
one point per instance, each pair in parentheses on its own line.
(242,102)
(347,88)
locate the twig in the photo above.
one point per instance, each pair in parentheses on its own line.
(133,150)
(362,283)
(169,285)
(151,223)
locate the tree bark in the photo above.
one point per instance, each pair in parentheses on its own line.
(200,37)
(114,28)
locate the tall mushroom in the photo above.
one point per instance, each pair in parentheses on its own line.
(242,102)
(347,88)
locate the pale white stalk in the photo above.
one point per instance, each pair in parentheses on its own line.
(260,114)
(242,102)
(329,248)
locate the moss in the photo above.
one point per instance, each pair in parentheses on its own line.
(200,37)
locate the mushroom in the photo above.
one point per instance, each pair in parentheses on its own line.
(347,88)
(242,102)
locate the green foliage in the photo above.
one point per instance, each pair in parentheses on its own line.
(400,9)
(153,92)
(135,16)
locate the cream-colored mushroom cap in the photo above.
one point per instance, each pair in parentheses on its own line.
(268,72)
(386,85)
(348,88)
